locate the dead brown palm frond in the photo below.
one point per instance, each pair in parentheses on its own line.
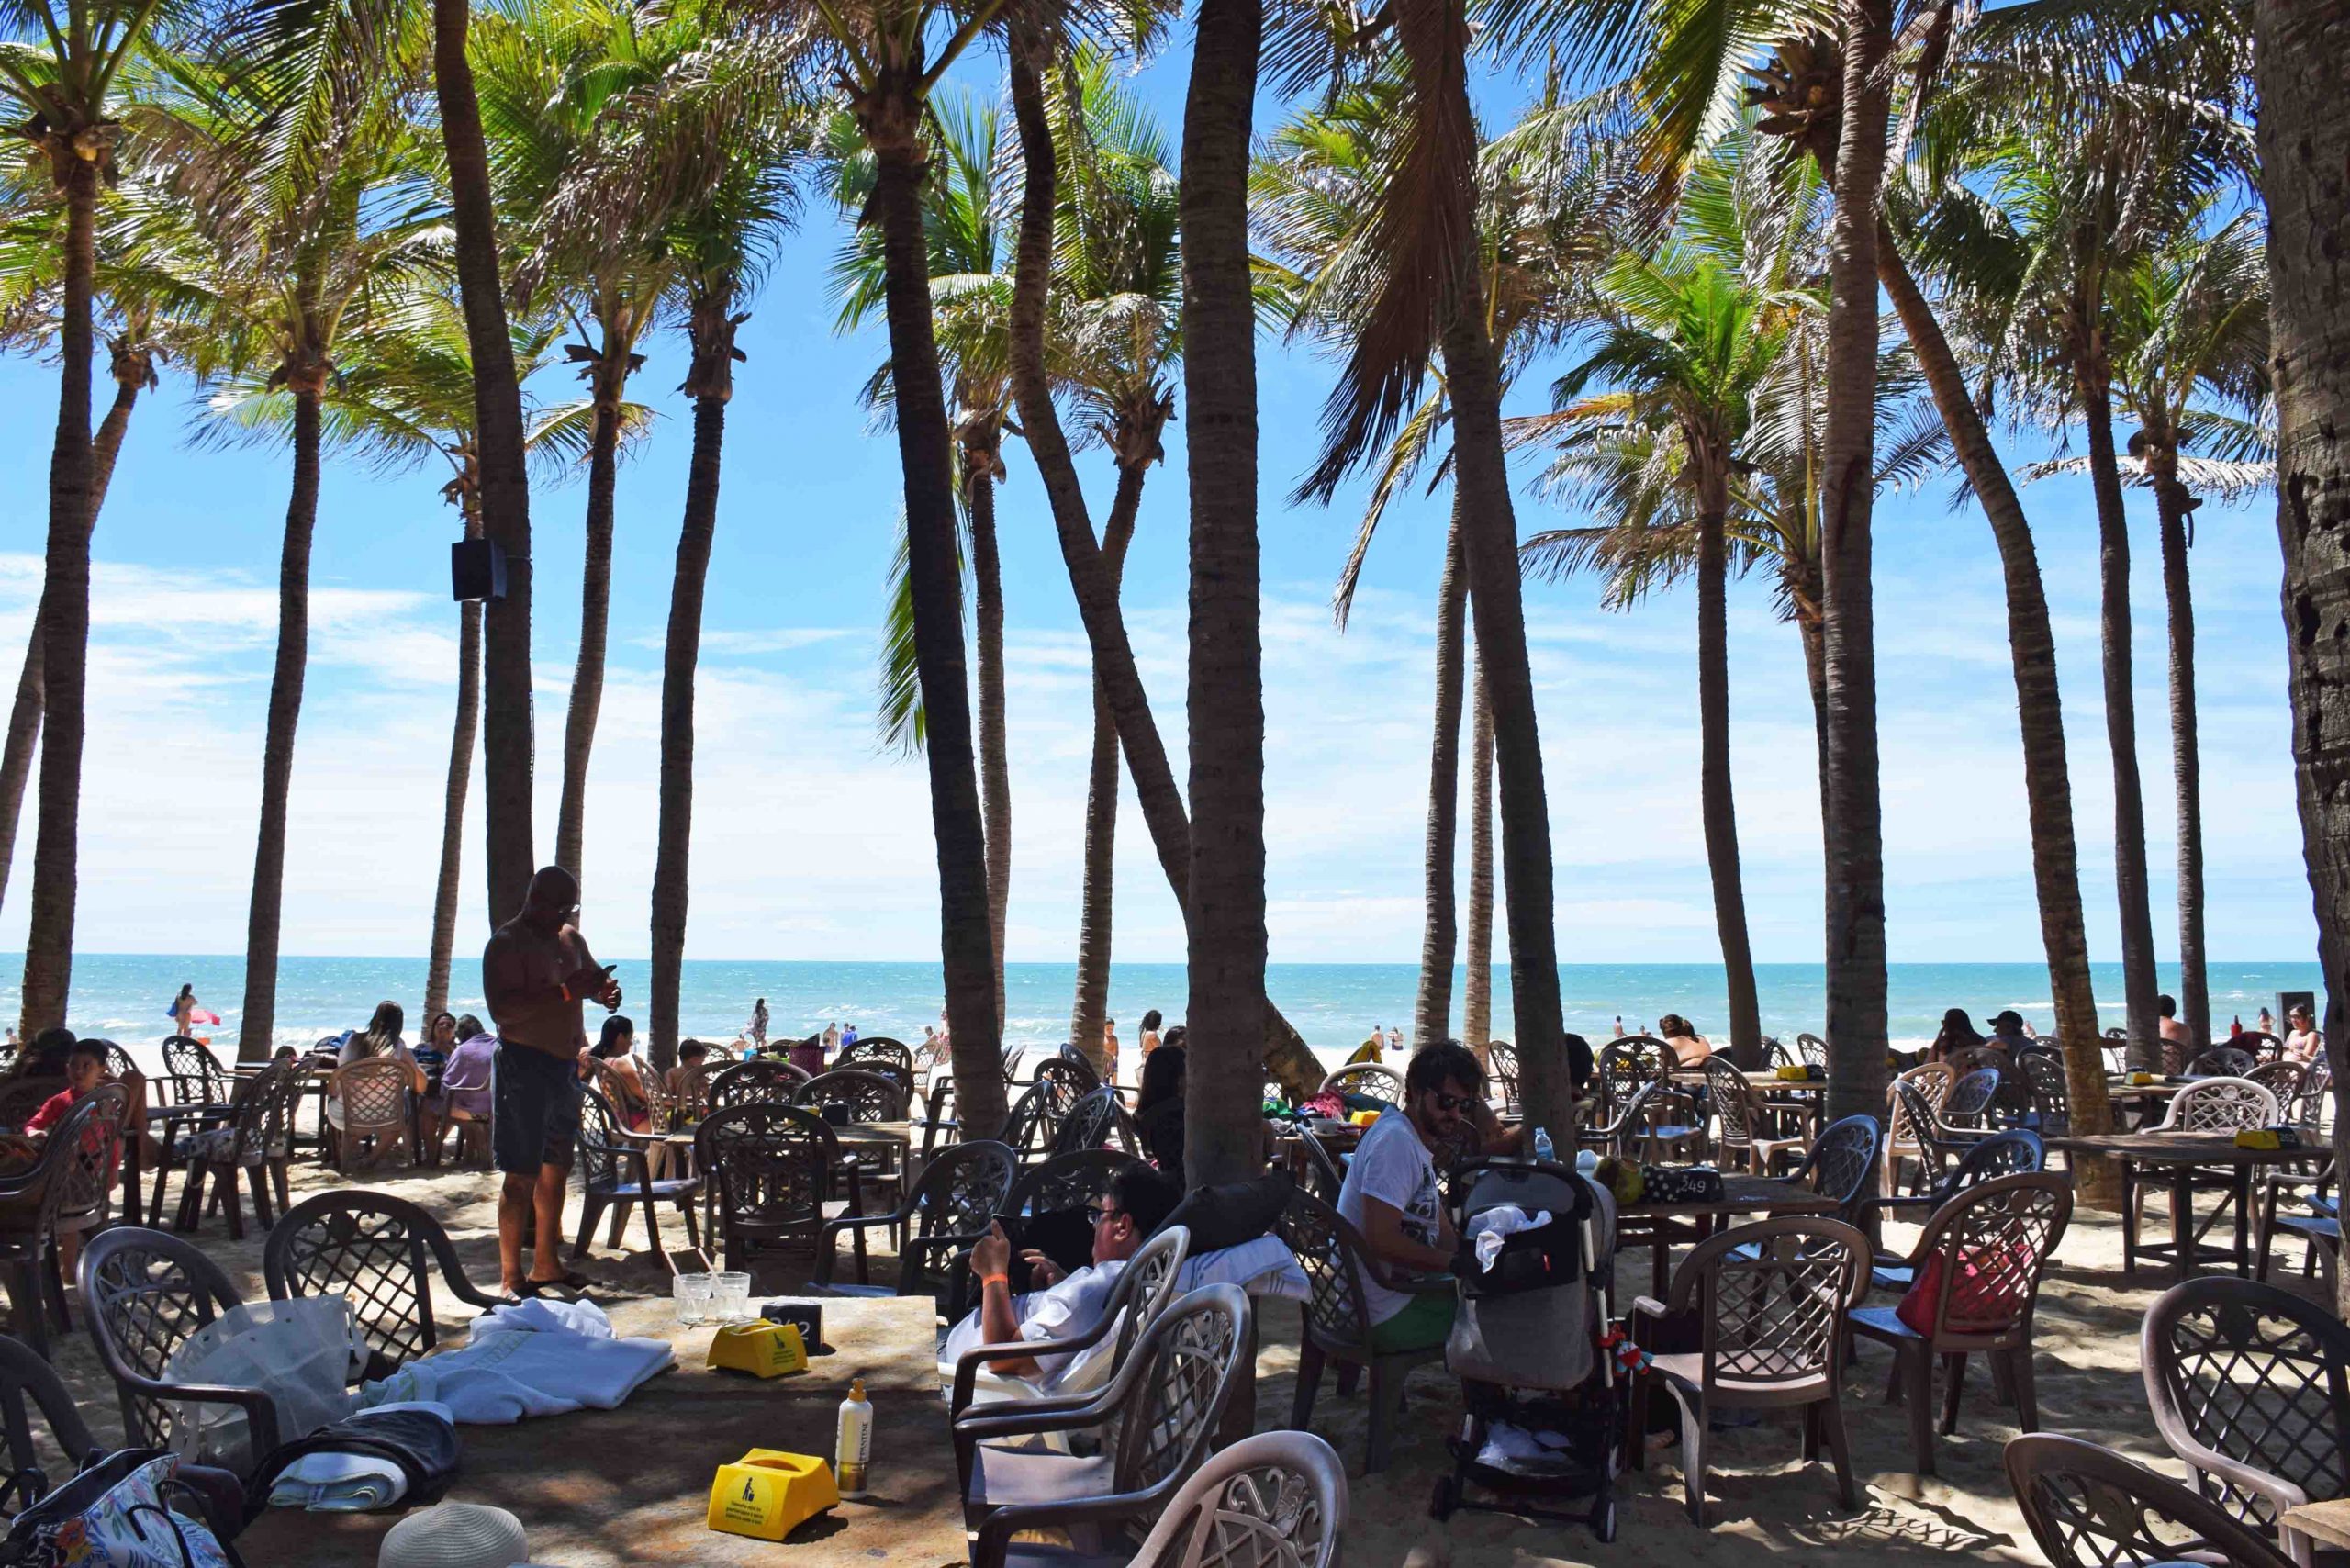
(1425,233)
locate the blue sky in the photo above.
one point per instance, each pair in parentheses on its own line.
(812,843)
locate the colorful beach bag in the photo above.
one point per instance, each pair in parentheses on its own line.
(119,1513)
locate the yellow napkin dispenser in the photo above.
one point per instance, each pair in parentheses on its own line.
(763,1349)
(1791,1073)
(2258,1137)
(1363,1118)
(767,1494)
(2140,1080)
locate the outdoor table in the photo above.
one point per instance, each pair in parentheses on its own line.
(205,1113)
(891,1139)
(2328,1524)
(2184,1153)
(1664,1224)
(604,1488)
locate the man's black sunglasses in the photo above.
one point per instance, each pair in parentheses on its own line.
(1454,1101)
(1096,1213)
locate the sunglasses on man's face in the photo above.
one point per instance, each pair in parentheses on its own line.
(1096,1213)
(1454,1101)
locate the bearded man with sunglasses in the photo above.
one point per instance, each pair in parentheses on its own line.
(1390,1195)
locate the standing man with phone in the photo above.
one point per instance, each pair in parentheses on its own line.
(536,974)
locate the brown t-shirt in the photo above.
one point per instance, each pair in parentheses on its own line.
(522,975)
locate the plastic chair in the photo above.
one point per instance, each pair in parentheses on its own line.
(257,1142)
(2220,1061)
(2089,1507)
(947,1211)
(369,1102)
(1628,1064)
(870,1096)
(20,1097)
(1813,1049)
(1770,1301)
(2220,1104)
(1035,1120)
(1502,1071)
(1968,1104)
(1842,1160)
(1071,1075)
(1322,1173)
(195,1074)
(1367,1079)
(2050,1114)
(768,1175)
(1903,1139)
(1276,1500)
(616,1173)
(378,1251)
(1337,1320)
(1156,1419)
(1011,1063)
(1098,1121)
(938,1121)
(28,1382)
(762,1081)
(1141,1292)
(147,1294)
(1742,1138)
(2250,1387)
(31,1201)
(2016,1152)
(1989,1246)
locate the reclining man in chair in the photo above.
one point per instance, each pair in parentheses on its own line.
(1060,1306)
(1390,1195)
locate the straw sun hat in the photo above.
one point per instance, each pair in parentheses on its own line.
(456,1535)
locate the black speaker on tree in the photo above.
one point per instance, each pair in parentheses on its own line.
(476,570)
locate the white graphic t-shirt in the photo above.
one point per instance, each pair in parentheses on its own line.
(1393,1165)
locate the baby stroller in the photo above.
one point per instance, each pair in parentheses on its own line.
(1544,1406)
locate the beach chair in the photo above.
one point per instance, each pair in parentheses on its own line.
(2250,1387)
(369,1104)
(1988,1246)
(945,1213)
(1338,1323)
(380,1253)
(1770,1301)
(1936,1141)
(147,1294)
(1156,1419)
(1502,1072)
(32,1202)
(616,1173)
(28,1383)
(1626,1065)
(768,1175)
(762,1081)
(2089,1507)
(255,1144)
(1840,1163)
(2049,1106)
(1141,1292)
(2220,1104)
(2017,1151)
(1034,1122)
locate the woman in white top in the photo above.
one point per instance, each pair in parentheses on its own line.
(380,1038)
(2302,1041)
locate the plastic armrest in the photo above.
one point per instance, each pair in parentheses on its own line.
(260,1410)
(2281,1493)
(996,1530)
(1646,1306)
(968,1364)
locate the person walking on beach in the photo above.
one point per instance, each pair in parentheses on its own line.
(1395,1039)
(537,972)
(1109,1050)
(755,1031)
(184,1012)
(1371,1050)
(848,1035)
(1150,1042)
(832,1038)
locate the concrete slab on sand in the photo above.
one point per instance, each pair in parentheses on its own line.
(603,1488)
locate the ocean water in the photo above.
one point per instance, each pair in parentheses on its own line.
(125,997)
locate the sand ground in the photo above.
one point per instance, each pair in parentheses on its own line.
(1763,1499)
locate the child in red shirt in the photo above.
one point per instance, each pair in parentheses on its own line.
(86,1068)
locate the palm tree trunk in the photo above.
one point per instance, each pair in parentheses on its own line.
(2032,647)
(2305,177)
(2138,982)
(257,1024)
(893,120)
(64,616)
(1286,1057)
(462,736)
(995,762)
(1477,984)
(1719,807)
(710,382)
(16,758)
(505,482)
(595,609)
(1223,1097)
(1440,936)
(1852,829)
(2174,505)
(1089,1015)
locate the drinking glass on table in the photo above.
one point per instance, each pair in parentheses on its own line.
(731,1297)
(695,1297)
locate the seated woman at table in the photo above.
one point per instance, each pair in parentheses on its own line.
(1957,1034)
(616,1050)
(464,1080)
(1691,1046)
(432,1052)
(85,1069)
(2303,1042)
(1062,1305)
(380,1038)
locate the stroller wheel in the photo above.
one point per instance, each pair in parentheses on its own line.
(1446,1500)
(1603,1526)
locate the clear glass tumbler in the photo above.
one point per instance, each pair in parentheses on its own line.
(731,1298)
(695,1299)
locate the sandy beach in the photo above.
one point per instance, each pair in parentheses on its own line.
(1762,1498)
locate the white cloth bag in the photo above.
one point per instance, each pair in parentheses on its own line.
(302,1353)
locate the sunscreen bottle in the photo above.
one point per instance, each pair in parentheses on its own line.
(852,1447)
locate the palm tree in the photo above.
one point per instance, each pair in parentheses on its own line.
(2304,150)
(505,487)
(62,76)
(970,299)
(891,58)
(309,192)
(1477,979)
(1284,1056)
(2189,334)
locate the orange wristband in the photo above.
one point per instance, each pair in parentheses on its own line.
(1003,1280)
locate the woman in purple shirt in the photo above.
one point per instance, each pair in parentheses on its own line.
(464,1080)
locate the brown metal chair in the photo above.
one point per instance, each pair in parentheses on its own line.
(1156,1421)
(2089,1507)
(1337,1320)
(1770,1301)
(1988,1246)
(380,1253)
(2250,1387)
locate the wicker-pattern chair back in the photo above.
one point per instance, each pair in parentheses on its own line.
(196,1074)
(1368,1078)
(1274,1500)
(2089,1507)
(1994,1240)
(374,1095)
(2243,1373)
(146,1294)
(1189,1357)
(20,1097)
(1098,1121)
(762,1081)
(1629,1064)
(2220,1104)
(28,1383)
(377,1252)
(85,1182)
(1769,1299)
(870,1096)
(1330,1252)
(1969,1100)
(2221,1062)
(1065,1181)
(769,1171)
(1841,1161)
